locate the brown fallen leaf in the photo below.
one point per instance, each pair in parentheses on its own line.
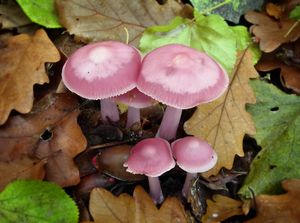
(279,208)
(221,208)
(290,75)
(105,207)
(49,132)
(12,16)
(21,168)
(271,33)
(106,20)
(274,10)
(224,122)
(22,60)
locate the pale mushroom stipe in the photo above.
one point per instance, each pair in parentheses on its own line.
(135,101)
(180,77)
(102,70)
(151,157)
(193,155)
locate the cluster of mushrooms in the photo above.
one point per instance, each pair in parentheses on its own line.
(175,75)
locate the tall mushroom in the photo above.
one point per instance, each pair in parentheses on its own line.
(102,70)
(151,157)
(193,155)
(180,77)
(135,101)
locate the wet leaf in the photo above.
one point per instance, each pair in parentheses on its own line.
(221,208)
(232,10)
(277,120)
(49,132)
(12,16)
(41,12)
(107,20)
(279,208)
(224,122)
(272,33)
(105,207)
(35,202)
(22,60)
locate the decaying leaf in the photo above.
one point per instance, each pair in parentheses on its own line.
(221,208)
(290,75)
(50,132)
(224,122)
(11,15)
(107,20)
(22,59)
(271,33)
(21,168)
(105,207)
(279,208)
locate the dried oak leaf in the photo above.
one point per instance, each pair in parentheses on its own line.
(279,208)
(290,75)
(21,168)
(11,15)
(106,20)
(221,208)
(50,132)
(105,207)
(224,122)
(271,33)
(22,59)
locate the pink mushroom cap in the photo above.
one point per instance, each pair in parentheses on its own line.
(193,154)
(151,157)
(181,77)
(136,99)
(102,70)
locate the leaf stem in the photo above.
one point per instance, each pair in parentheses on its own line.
(291,29)
(215,7)
(127,35)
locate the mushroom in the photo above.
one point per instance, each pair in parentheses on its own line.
(151,157)
(102,70)
(180,77)
(193,155)
(135,101)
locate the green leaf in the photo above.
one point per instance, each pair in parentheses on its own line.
(210,34)
(230,9)
(277,120)
(295,13)
(31,201)
(243,40)
(41,12)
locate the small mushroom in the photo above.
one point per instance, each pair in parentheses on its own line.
(194,156)
(180,77)
(135,101)
(151,157)
(102,70)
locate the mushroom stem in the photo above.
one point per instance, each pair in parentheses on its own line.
(155,190)
(109,111)
(187,183)
(169,123)
(133,116)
